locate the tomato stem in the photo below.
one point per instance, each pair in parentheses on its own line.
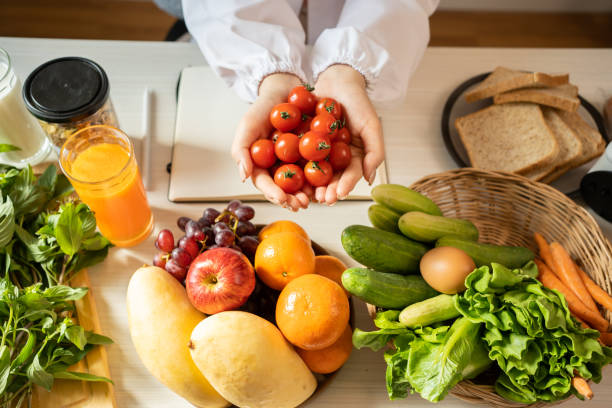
(323,146)
(330,108)
(308,87)
(285,115)
(289,174)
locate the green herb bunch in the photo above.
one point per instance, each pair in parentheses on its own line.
(45,238)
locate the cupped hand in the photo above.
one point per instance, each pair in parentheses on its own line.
(254,125)
(347,86)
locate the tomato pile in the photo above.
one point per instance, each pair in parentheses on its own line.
(309,143)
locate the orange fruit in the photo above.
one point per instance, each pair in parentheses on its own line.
(312,312)
(330,358)
(282,226)
(282,257)
(330,267)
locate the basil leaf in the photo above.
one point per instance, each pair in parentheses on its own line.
(62,187)
(90,258)
(37,248)
(94,338)
(5,147)
(38,375)
(73,375)
(87,219)
(5,367)
(76,335)
(68,230)
(95,243)
(7,221)
(64,293)
(28,198)
(34,301)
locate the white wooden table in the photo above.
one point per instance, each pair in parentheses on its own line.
(414,149)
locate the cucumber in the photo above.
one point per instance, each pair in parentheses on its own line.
(429,311)
(402,199)
(383,218)
(483,254)
(383,251)
(424,227)
(388,290)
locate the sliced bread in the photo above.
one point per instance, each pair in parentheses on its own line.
(505,79)
(564,97)
(570,148)
(510,137)
(592,141)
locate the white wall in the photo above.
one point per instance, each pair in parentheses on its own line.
(528,5)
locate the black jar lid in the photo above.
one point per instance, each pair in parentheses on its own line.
(66,89)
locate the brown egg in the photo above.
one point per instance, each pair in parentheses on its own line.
(445,269)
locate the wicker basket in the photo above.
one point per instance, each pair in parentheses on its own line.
(508,209)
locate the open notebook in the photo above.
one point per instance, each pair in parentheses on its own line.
(206,117)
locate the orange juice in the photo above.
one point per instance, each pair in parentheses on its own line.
(100,163)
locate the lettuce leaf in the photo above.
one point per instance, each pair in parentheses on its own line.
(530,333)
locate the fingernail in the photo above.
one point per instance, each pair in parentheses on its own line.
(371,177)
(242,170)
(332,204)
(342,198)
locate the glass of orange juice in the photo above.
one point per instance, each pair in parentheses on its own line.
(99,162)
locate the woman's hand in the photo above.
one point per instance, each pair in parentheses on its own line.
(255,125)
(347,86)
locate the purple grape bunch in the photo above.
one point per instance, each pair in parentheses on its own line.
(230,228)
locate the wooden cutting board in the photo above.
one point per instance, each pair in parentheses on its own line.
(82,394)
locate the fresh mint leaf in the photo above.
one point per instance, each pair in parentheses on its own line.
(7,221)
(5,147)
(95,243)
(69,230)
(37,248)
(7,177)
(87,219)
(62,187)
(27,197)
(88,259)
(38,375)
(73,375)
(48,179)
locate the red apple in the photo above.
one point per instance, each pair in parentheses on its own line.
(219,279)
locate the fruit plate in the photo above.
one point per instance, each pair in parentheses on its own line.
(456,106)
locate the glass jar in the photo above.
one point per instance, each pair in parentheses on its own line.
(68,94)
(17,127)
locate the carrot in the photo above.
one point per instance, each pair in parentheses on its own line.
(598,293)
(548,279)
(582,387)
(606,338)
(569,276)
(544,250)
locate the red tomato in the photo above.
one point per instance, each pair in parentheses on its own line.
(314,145)
(302,97)
(304,125)
(262,153)
(340,156)
(275,166)
(274,136)
(318,173)
(285,117)
(327,123)
(287,148)
(290,178)
(343,136)
(331,106)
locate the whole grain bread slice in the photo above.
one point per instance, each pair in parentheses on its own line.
(504,79)
(510,137)
(564,97)
(570,148)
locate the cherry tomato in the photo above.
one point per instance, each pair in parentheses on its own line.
(302,97)
(285,117)
(318,173)
(275,166)
(290,178)
(327,123)
(287,148)
(262,153)
(274,135)
(314,145)
(331,106)
(339,156)
(304,125)
(343,136)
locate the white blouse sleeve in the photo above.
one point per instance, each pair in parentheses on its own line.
(383,39)
(246,40)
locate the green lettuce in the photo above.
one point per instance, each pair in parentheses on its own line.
(429,360)
(530,333)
